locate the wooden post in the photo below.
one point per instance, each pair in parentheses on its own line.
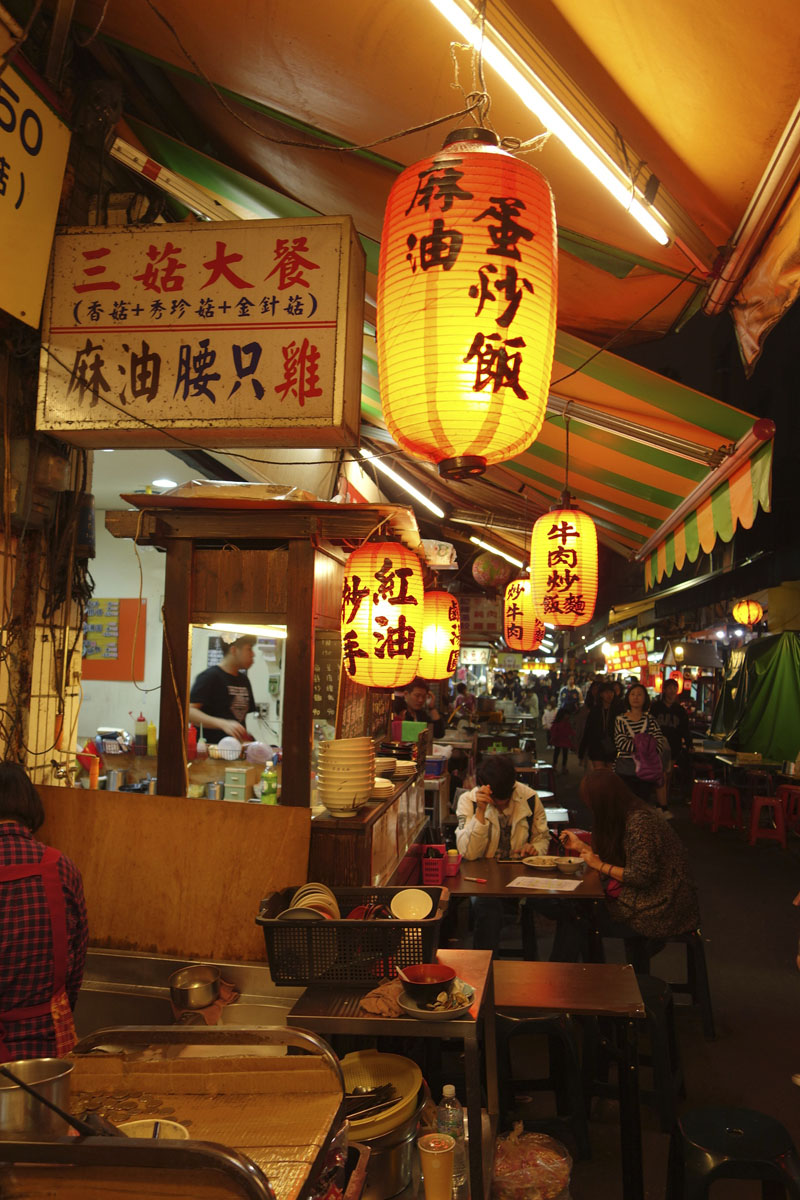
(298,683)
(173,717)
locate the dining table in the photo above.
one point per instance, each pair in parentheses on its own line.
(492,877)
(329,1010)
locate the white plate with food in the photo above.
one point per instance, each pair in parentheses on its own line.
(449,1008)
(542,862)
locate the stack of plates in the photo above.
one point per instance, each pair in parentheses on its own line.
(309,900)
(385,766)
(404,769)
(345,774)
(382,789)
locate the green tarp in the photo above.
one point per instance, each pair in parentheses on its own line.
(759,709)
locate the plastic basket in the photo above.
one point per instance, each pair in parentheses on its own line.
(346,953)
(434,765)
(452,864)
(433,868)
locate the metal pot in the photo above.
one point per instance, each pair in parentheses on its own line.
(115,779)
(789,767)
(194,987)
(23,1118)
(391,1156)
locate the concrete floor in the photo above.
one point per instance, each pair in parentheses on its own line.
(751,931)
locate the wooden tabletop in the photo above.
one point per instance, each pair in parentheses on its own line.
(589,989)
(332,1009)
(499,875)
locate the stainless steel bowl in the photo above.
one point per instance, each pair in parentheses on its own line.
(194,987)
(23,1118)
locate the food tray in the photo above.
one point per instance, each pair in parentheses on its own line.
(355,954)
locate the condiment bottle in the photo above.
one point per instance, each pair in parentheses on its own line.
(202,745)
(140,735)
(152,740)
(191,743)
(94,772)
(269,785)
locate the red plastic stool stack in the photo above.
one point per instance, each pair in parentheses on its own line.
(776,832)
(726,808)
(789,795)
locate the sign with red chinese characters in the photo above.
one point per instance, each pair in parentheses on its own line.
(382,614)
(564,566)
(232,333)
(481,616)
(523,621)
(33,154)
(625,656)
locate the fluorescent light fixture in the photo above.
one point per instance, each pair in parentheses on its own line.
(597,642)
(549,659)
(110,451)
(547,108)
(493,550)
(403,483)
(164,483)
(270,631)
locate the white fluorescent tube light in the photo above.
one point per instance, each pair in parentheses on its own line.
(403,483)
(191,194)
(598,642)
(548,109)
(493,550)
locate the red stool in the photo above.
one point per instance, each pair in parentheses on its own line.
(702,801)
(776,833)
(789,795)
(724,800)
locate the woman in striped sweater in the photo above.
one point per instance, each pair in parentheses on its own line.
(635,719)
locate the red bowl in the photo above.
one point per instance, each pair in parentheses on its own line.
(424,981)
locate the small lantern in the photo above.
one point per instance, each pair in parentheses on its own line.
(564,565)
(467,287)
(490,571)
(747,612)
(523,624)
(382,608)
(441,636)
(677,678)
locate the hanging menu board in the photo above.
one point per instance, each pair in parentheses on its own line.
(327,665)
(362,711)
(380,713)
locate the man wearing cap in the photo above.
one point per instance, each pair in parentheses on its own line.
(221,696)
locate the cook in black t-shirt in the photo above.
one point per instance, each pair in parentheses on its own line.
(221,697)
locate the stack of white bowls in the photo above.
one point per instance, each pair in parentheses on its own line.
(345,774)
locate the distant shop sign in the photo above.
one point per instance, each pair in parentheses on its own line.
(474,656)
(221,333)
(625,656)
(33,154)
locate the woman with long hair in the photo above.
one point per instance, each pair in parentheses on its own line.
(597,743)
(635,720)
(650,892)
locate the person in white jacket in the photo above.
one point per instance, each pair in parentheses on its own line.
(501,818)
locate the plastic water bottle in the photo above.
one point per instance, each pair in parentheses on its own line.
(269,785)
(450,1119)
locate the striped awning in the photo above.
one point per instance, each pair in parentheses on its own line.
(640,445)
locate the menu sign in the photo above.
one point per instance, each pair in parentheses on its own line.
(238,332)
(327,665)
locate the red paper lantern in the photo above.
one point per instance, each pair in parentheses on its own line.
(564,565)
(747,612)
(382,612)
(490,571)
(467,287)
(523,623)
(677,677)
(441,636)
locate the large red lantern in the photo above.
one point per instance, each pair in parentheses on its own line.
(523,623)
(467,288)
(564,565)
(382,610)
(747,612)
(441,636)
(676,677)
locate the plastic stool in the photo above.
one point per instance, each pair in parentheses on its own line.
(731,1143)
(696,982)
(723,802)
(789,795)
(776,833)
(564,1078)
(663,1058)
(701,802)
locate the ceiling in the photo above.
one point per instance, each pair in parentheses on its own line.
(697,98)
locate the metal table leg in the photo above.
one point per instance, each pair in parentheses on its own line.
(630,1125)
(472,1072)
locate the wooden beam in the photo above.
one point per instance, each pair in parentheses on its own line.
(299,666)
(172,777)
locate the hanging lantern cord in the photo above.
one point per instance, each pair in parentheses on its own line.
(565,496)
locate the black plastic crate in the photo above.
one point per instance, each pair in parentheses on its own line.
(346,953)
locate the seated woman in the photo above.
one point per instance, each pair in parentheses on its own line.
(495,819)
(650,892)
(43,931)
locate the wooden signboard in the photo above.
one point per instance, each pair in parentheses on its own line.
(362,711)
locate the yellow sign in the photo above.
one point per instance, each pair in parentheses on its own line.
(233,333)
(33,154)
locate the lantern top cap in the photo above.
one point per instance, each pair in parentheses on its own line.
(473,133)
